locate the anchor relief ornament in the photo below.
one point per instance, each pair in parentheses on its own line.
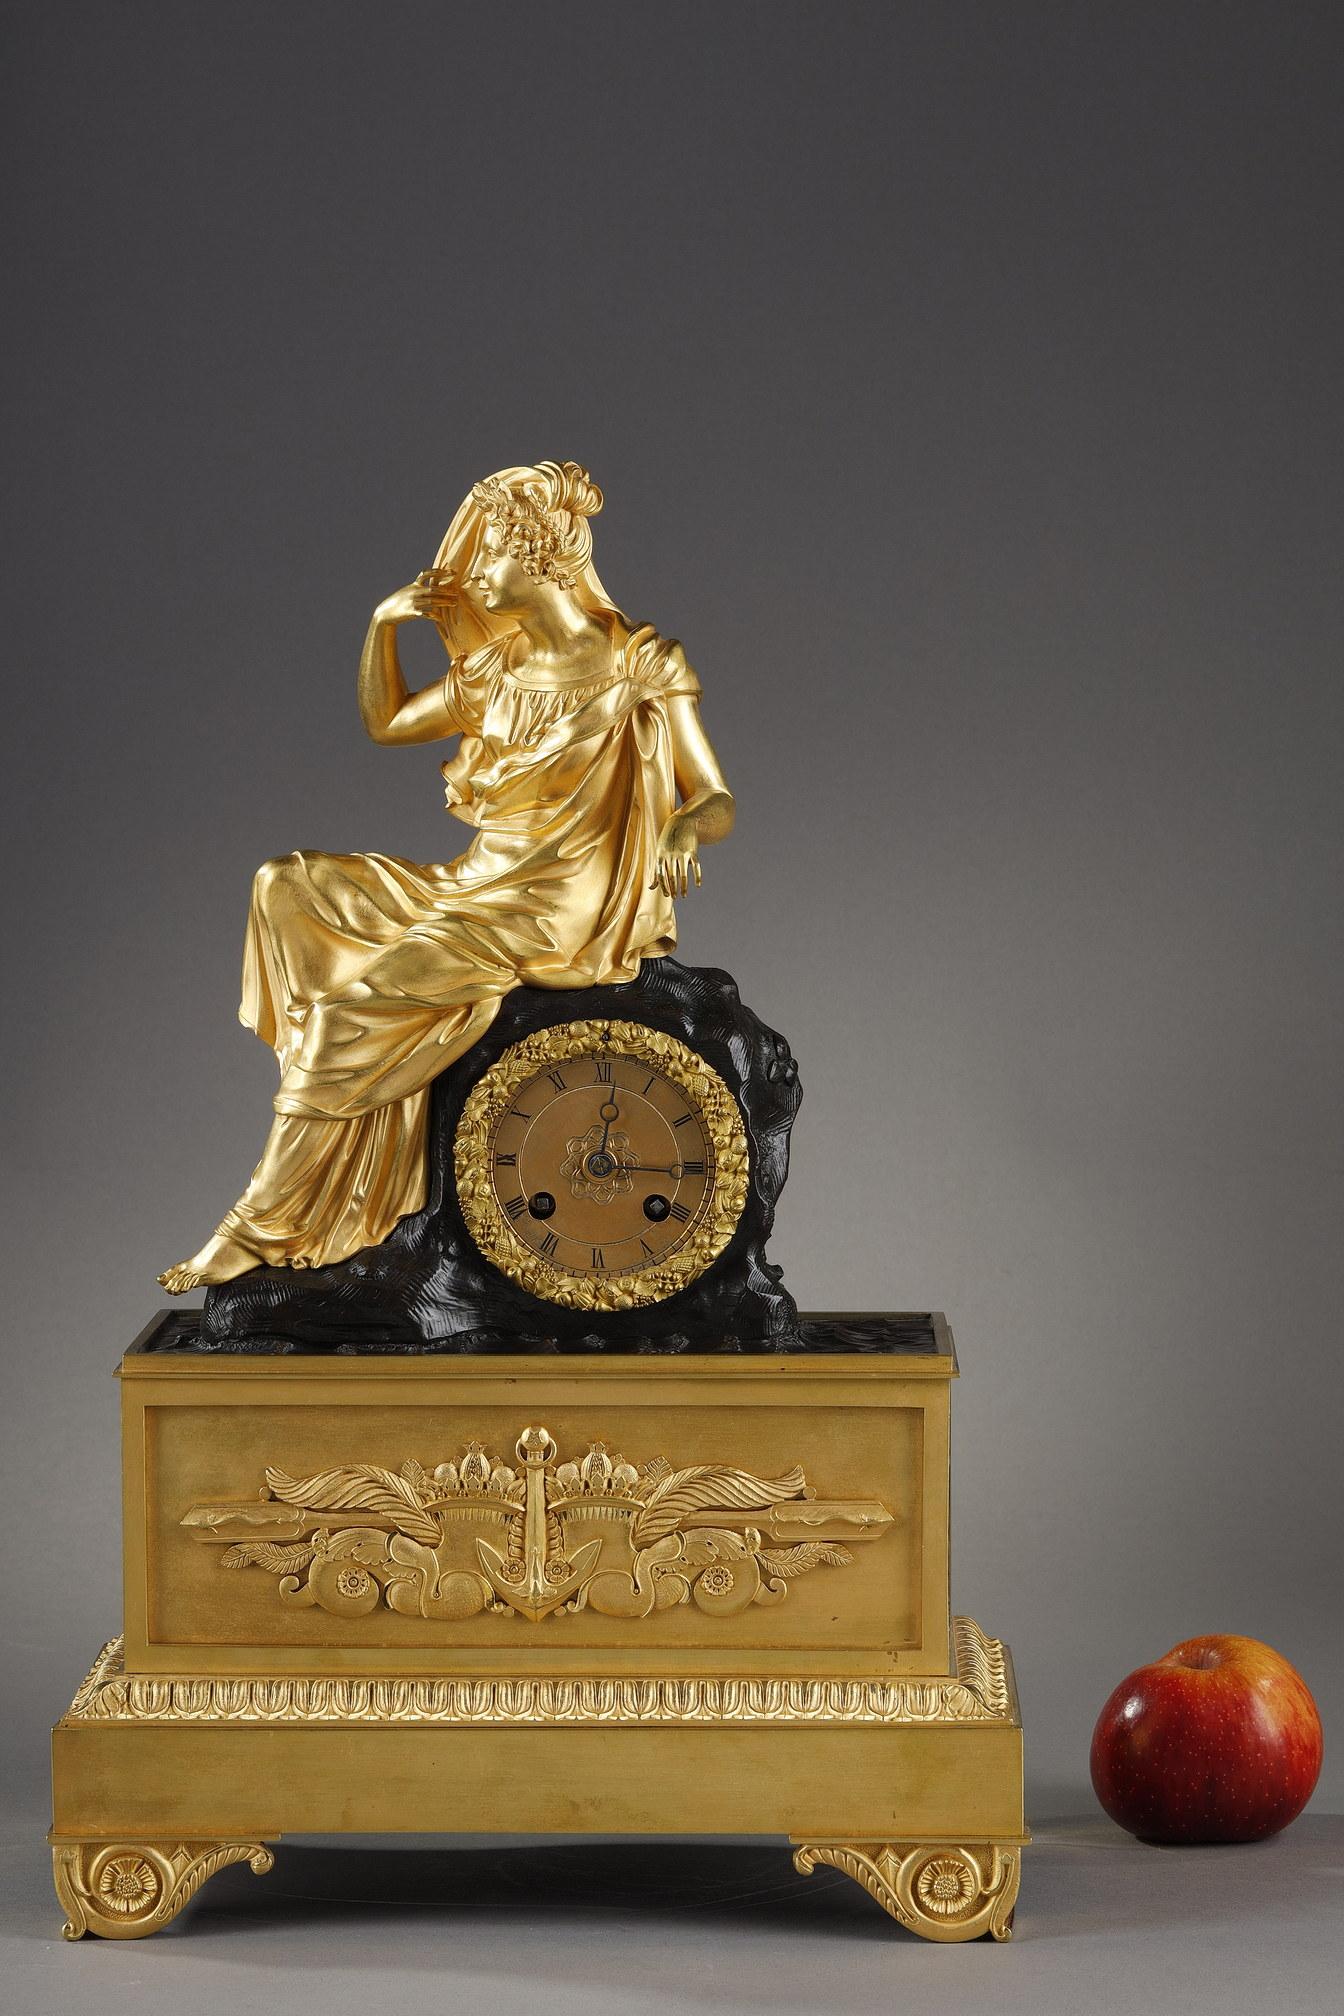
(476,1535)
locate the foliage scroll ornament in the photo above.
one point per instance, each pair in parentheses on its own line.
(128,1889)
(537,1537)
(947,1894)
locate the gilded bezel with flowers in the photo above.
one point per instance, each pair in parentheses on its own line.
(705,1238)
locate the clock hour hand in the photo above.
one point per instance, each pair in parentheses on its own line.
(600,1163)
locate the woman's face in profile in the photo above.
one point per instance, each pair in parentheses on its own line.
(501,582)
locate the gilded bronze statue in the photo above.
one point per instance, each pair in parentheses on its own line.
(585,769)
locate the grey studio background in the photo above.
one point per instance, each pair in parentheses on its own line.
(964,384)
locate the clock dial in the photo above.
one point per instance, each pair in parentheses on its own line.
(601,1164)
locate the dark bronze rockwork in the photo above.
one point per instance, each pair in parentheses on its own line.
(427,1286)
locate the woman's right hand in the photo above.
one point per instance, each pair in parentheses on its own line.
(428,595)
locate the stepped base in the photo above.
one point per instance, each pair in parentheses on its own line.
(704,1594)
(912,1786)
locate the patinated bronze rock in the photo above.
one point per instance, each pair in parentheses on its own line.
(428,1287)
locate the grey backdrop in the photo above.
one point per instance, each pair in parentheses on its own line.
(964,383)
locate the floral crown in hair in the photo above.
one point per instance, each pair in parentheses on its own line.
(534,536)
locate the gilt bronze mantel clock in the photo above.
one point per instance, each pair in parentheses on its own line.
(498,1431)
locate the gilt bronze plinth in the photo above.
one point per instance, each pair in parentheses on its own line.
(693,1595)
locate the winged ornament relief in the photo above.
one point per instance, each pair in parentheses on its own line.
(538,1537)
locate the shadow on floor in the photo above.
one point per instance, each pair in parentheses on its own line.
(695,1880)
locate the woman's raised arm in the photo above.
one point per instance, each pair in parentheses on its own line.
(389,711)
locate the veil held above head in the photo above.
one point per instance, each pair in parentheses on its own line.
(563,492)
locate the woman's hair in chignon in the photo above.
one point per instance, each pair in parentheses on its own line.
(543,514)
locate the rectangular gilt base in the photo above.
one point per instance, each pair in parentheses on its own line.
(682,1595)
(864,1775)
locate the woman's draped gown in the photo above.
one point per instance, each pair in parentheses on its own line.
(368,975)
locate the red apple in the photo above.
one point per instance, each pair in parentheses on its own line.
(1217,1741)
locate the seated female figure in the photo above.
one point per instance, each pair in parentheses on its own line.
(584,768)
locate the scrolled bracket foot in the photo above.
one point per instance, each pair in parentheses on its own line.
(948,1894)
(128,1889)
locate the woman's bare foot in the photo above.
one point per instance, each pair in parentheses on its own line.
(219,1259)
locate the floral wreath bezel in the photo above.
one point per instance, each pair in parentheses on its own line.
(707,1235)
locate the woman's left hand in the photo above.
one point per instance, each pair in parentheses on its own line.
(678,849)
